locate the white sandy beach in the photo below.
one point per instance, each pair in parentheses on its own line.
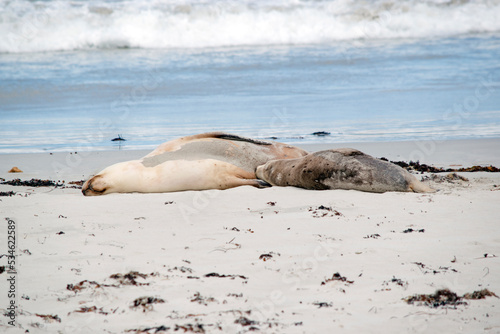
(249,259)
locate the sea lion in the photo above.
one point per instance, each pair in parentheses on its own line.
(344,168)
(212,160)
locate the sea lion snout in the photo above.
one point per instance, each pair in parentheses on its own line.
(93,186)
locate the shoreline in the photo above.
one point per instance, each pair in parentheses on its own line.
(445,154)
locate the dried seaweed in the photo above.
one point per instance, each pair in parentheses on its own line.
(481,294)
(34,183)
(82,286)
(7,193)
(182,269)
(91,309)
(450,178)
(426,269)
(123,279)
(442,297)
(49,317)
(337,277)
(245,321)
(198,298)
(490,169)
(149,330)
(397,281)
(76,184)
(417,166)
(445,298)
(196,328)
(130,278)
(410,230)
(146,303)
(223,276)
(265,257)
(323,304)
(324,211)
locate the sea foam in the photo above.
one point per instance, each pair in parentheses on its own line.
(34,26)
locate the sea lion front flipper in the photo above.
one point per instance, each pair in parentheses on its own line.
(263,184)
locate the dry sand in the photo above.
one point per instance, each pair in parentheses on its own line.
(248,259)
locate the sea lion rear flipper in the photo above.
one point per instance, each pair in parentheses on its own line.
(237,182)
(418,187)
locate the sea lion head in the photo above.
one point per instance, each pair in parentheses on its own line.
(271,172)
(260,171)
(121,177)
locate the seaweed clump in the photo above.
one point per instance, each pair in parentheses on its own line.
(417,166)
(445,297)
(33,183)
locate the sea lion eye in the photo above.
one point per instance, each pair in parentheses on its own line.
(97,188)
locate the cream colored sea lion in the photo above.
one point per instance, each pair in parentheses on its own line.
(213,160)
(344,168)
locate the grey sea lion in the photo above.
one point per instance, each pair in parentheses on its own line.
(212,160)
(344,168)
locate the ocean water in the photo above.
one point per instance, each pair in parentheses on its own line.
(75,74)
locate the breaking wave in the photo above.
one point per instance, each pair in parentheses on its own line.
(37,26)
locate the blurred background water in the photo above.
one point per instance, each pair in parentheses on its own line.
(75,74)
